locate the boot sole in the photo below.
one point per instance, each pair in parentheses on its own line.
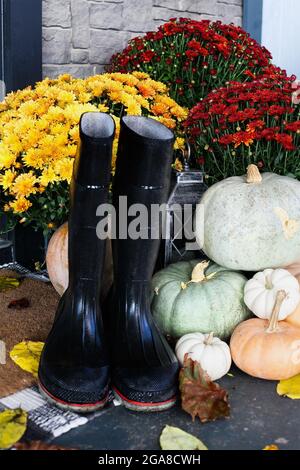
(146,407)
(76,407)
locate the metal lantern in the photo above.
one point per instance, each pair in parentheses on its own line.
(186,190)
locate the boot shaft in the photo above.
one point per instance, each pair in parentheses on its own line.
(89,189)
(143,174)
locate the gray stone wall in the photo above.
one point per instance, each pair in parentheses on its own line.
(79,36)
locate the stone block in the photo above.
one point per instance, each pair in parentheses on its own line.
(194,6)
(79,56)
(56,45)
(56,13)
(78,71)
(138,15)
(80,23)
(105,43)
(106,15)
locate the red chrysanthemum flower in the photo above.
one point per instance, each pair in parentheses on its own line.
(204,55)
(247,123)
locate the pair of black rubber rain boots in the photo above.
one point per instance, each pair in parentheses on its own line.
(78,362)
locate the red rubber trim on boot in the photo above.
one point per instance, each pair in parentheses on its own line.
(141,404)
(79,405)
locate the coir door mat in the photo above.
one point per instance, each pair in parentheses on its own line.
(18,388)
(32,323)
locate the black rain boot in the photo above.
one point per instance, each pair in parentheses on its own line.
(145,369)
(74,366)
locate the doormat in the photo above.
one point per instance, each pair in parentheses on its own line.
(17,387)
(32,323)
(45,421)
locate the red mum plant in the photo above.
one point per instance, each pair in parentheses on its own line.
(256,122)
(194,57)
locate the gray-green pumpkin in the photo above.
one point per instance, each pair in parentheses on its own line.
(190,296)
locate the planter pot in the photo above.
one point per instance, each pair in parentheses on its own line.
(30,246)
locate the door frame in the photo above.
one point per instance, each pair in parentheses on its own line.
(252,18)
(21,43)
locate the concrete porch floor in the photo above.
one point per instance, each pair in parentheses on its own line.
(258,417)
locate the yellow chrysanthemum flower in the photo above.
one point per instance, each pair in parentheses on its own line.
(24,185)
(48,176)
(179,112)
(20,205)
(103,108)
(7,159)
(64,169)
(177,165)
(159,109)
(140,75)
(12,141)
(39,129)
(7,179)
(35,158)
(179,143)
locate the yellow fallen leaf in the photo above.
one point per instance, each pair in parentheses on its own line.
(12,427)
(173,438)
(271,447)
(27,355)
(290,387)
(8,282)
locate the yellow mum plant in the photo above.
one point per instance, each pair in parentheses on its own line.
(39,136)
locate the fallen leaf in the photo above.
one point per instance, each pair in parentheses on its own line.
(19,304)
(12,427)
(27,355)
(290,387)
(2,352)
(271,447)
(173,438)
(8,283)
(38,445)
(199,395)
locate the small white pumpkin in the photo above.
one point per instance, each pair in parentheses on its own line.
(260,293)
(212,354)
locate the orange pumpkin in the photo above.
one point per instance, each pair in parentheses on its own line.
(294,318)
(267,349)
(57,262)
(294,269)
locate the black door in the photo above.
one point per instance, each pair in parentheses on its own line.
(21,42)
(20,66)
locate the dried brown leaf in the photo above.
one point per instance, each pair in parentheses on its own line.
(38,445)
(199,395)
(19,304)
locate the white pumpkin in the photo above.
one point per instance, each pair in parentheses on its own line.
(260,293)
(212,354)
(251,223)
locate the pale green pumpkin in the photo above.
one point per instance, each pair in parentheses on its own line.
(201,297)
(251,222)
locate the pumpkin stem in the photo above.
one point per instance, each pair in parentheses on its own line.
(198,272)
(281,295)
(268,283)
(209,338)
(253,174)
